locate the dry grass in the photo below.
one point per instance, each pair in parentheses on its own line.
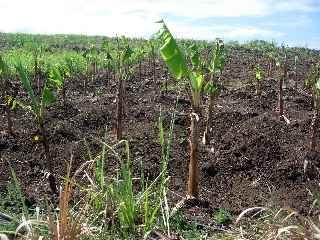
(285,223)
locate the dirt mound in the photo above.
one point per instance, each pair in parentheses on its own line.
(259,162)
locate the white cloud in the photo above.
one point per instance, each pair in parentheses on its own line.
(203,8)
(295,21)
(251,32)
(182,30)
(304,6)
(136,18)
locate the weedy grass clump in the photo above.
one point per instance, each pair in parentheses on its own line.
(103,205)
(186,229)
(222,216)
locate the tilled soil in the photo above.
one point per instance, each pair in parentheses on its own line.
(253,159)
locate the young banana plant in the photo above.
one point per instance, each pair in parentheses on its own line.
(91,56)
(107,59)
(37,51)
(282,64)
(295,69)
(123,68)
(139,54)
(313,82)
(271,62)
(9,102)
(177,65)
(258,77)
(153,58)
(215,68)
(65,71)
(37,108)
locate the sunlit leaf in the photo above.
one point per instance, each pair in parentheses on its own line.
(197,81)
(194,56)
(258,76)
(171,53)
(219,58)
(259,73)
(55,79)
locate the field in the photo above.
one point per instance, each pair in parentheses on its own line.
(254,157)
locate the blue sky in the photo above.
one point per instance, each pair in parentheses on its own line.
(294,22)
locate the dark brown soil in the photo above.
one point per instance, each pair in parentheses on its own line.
(254,159)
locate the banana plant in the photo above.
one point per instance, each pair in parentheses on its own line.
(91,56)
(313,82)
(282,64)
(295,69)
(152,57)
(139,55)
(37,107)
(215,68)
(107,58)
(65,70)
(124,70)
(9,101)
(37,50)
(177,65)
(271,56)
(258,77)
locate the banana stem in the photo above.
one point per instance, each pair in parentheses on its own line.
(119,110)
(52,180)
(193,180)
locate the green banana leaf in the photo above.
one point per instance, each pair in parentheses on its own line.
(258,75)
(54,82)
(194,56)
(55,79)
(197,81)
(171,53)
(219,58)
(27,86)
